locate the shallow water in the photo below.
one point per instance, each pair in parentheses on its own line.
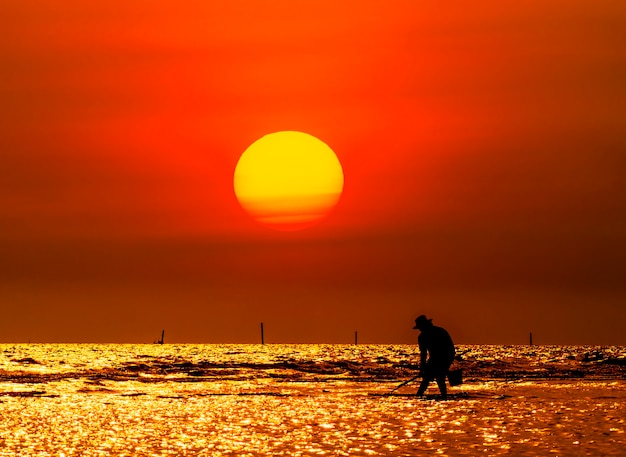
(153,400)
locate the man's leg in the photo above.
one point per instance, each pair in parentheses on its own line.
(441,375)
(441,382)
(427,376)
(423,385)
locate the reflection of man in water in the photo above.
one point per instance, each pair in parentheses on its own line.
(436,342)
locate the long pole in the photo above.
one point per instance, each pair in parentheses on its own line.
(262,334)
(404,384)
(531,338)
(356,338)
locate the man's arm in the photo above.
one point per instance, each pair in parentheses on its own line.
(423,352)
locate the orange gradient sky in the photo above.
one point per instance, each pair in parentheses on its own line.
(482,145)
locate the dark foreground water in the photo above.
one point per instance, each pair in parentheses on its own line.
(252,400)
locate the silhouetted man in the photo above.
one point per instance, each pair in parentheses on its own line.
(437,344)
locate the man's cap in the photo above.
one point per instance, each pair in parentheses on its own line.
(421,321)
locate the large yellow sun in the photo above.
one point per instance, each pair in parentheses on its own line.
(288,180)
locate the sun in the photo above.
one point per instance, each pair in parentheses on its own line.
(288,180)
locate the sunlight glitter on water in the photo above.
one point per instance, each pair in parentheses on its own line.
(152,400)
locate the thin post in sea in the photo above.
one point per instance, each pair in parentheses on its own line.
(356,337)
(262,334)
(531,338)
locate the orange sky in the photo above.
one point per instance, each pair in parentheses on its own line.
(482,145)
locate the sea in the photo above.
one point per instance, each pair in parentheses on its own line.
(307,400)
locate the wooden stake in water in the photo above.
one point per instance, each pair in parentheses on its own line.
(531,338)
(262,334)
(356,338)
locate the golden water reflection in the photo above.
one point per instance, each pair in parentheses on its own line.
(246,415)
(306,421)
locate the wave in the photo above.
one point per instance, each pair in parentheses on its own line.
(324,364)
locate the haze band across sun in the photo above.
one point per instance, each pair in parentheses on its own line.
(288,180)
